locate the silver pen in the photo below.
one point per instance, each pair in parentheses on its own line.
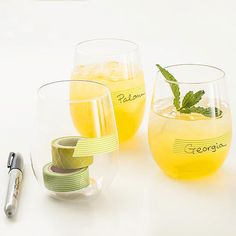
(15,164)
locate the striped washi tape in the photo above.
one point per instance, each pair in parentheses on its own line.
(128,95)
(63,154)
(69,153)
(200,146)
(60,180)
(93,146)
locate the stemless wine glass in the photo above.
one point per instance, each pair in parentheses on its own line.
(75,144)
(190,142)
(115,63)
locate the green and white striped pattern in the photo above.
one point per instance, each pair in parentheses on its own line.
(58,180)
(180,145)
(62,154)
(92,146)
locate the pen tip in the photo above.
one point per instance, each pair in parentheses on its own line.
(9,214)
(9,211)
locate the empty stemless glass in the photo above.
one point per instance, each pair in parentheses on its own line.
(191,140)
(75,145)
(115,63)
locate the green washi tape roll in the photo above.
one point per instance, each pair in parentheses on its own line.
(60,180)
(63,154)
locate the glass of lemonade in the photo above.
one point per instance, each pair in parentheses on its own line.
(190,122)
(115,63)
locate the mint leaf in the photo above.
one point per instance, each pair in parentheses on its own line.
(174,86)
(186,99)
(191,98)
(208,112)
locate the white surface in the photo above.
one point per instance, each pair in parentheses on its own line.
(36,46)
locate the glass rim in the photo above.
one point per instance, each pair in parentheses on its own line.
(134,48)
(107,91)
(195,64)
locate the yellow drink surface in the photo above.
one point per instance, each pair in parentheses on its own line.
(188,145)
(127,90)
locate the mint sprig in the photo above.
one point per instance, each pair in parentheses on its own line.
(208,112)
(190,99)
(174,86)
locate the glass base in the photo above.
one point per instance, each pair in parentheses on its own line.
(88,193)
(190,175)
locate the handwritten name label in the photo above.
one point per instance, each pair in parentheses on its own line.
(196,147)
(192,149)
(123,98)
(129,95)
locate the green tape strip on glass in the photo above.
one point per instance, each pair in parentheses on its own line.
(59,180)
(92,146)
(63,154)
(202,146)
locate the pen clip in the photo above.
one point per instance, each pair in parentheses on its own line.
(10,159)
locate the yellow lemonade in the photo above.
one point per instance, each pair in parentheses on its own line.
(188,145)
(127,89)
